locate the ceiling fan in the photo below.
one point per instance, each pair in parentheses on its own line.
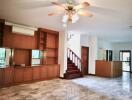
(72,11)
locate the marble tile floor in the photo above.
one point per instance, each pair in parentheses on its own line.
(87,88)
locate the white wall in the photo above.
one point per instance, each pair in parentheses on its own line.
(103,45)
(62,55)
(74,43)
(120,46)
(92,43)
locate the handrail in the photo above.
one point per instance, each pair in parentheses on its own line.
(74,58)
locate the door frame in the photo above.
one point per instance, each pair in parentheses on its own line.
(87,57)
(126,61)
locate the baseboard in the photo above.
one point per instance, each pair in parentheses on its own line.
(92,74)
(61,77)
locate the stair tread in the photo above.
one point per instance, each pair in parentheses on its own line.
(72,70)
(72,76)
(71,64)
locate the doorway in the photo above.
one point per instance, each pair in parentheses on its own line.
(125,57)
(85,59)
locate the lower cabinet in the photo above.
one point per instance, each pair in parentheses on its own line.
(43,73)
(8,75)
(56,71)
(11,76)
(27,74)
(36,73)
(18,75)
(50,71)
(1,77)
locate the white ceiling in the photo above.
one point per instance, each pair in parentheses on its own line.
(111,21)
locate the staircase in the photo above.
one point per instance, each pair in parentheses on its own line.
(73,66)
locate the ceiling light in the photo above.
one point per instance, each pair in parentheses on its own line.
(67,18)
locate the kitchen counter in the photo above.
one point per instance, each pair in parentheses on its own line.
(108,68)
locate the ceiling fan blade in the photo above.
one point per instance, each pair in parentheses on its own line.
(52,14)
(82,5)
(85,4)
(58,4)
(85,13)
(101,10)
(55,13)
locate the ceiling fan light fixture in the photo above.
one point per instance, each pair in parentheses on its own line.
(66,18)
(75,18)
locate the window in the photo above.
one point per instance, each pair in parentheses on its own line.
(2,57)
(35,54)
(35,57)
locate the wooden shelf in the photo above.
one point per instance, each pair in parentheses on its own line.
(50,48)
(51,60)
(49,42)
(41,40)
(51,57)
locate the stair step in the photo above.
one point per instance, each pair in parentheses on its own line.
(72,68)
(72,76)
(72,71)
(71,64)
(68,59)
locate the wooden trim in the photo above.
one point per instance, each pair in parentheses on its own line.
(48,30)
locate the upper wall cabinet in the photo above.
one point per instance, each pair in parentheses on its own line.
(1,31)
(14,40)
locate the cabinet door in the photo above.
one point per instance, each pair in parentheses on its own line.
(56,71)
(18,75)
(28,74)
(43,72)
(1,77)
(1,31)
(36,73)
(50,72)
(8,75)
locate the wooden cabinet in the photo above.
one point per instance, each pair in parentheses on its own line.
(1,31)
(22,56)
(36,73)
(52,49)
(108,68)
(8,75)
(50,72)
(51,60)
(48,42)
(27,75)
(43,72)
(41,40)
(44,40)
(51,40)
(14,40)
(1,77)
(18,75)
(56,71)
